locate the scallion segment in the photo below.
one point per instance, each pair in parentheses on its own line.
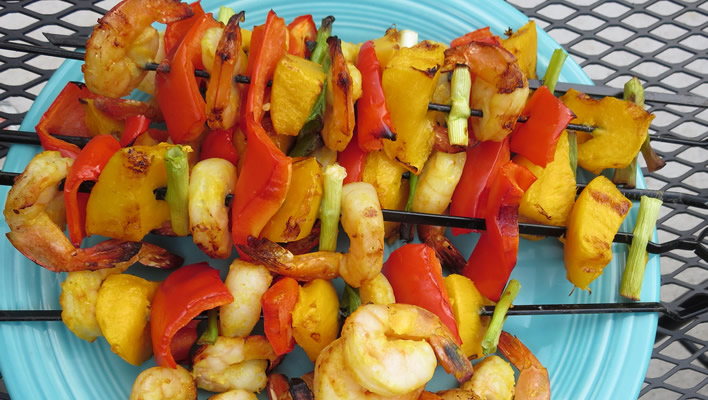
(460,110)
(554,69)
(412,185)
(351,300)
(177,196)
(225,13)
(634,92)
(573,150)
(331,206)
(491,338)
(633,275)
(321,48)
(211,333)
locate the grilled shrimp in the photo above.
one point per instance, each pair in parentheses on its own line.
(233,363)
(35,234)
(209,183)
(247,282)
(361,219)
(500,88)
(493,379)
(533,382)
(377,291)
(159,383)
(236,394)
(124,41)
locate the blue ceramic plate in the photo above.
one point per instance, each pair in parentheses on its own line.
(587,356)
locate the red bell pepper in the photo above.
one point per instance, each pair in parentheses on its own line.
(373,119)
(178,93)
(480,35)
(494,256)
(219,144)
(183,341)
(122,109)
(536,139)
(176,31)
(301,31)
(415,275)
(65,116)
(352,158)
(182,296)
(470,196)
(88,165)
(278,304)
(134,127)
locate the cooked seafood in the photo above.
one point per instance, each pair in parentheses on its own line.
(247,282)
(164,383)
(533,382)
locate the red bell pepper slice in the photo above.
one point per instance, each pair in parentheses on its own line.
(353,159)
(134,127)
(373,119)
(219,144)
(178,93)
(278,304)
(176,31)
(480,35)
(536,139)
(65,116)
(494,256)
(301,31)
(87,167)
(182,296)
(415,275)
(183,341)
(470,196)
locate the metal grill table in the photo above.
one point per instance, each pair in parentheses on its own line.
(663,42)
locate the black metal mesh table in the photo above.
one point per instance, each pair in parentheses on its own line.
(663,42)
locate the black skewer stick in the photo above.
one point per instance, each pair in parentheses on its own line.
(486,311)
(79,41)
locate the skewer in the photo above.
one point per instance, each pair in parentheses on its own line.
(486,311)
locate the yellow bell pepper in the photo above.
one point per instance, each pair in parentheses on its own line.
(597,215)
(315,323)
(384,175)
(297,215)
(122,312)
(522,44)
(386,46)
(466,302)
(620,129)
(409,81)
(122,204)
(98,123)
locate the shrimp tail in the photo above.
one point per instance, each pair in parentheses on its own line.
(306,244)
(154,256)
(449,256)
(269,253)
(452,358)
(516,352)
(533,382)
(168,11)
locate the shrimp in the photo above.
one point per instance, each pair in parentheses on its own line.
(159,383)
(493,379)
(236,394)
(391,349)
(35,234)
(233,363)
(124,41)
(500,88)
(210,181)
(377,291)
(247,282)
(533,382)
(361,219)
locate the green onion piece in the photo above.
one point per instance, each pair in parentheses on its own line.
(412,184)
(211,333)
(177,196)
(321,48)
(331,205)
(554,69)
(634,92)
(491,338)
(225,13)
(633,275)
(460,110)
(350,301)
(309,139)
(626,176)
(407,38)
(653,160)
(573,150)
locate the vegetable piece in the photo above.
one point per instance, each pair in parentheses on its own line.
(301,31)
(554,69)
(134,127)
(331,206)
(98,122)
(536,139)
(65,116)
(297,83)
(278,304)
(351,300)
(620,130)
(385,175)
(481,166)
(122,204)
(491,337)
(339,106)
(352,158)
(522,44)
(319,54)
(412,187)
(219,144)
(377,291)
(185,293)
(373,119)
(480,35)
(597,215)
(122,312)
(87,167)
(212,330)
(315,323)
(460,111)
(494,256)
(176,31)
(466,301)
(297,215)
(177,196)
(183,341)
(408,82)
(225,13)
(414,269)
(633,275)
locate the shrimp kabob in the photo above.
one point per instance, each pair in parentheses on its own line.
(361,202)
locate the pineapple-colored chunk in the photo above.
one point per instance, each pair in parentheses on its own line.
(384,175)
(522,44)
(296,84)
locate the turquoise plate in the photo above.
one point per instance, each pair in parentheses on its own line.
(587,356)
